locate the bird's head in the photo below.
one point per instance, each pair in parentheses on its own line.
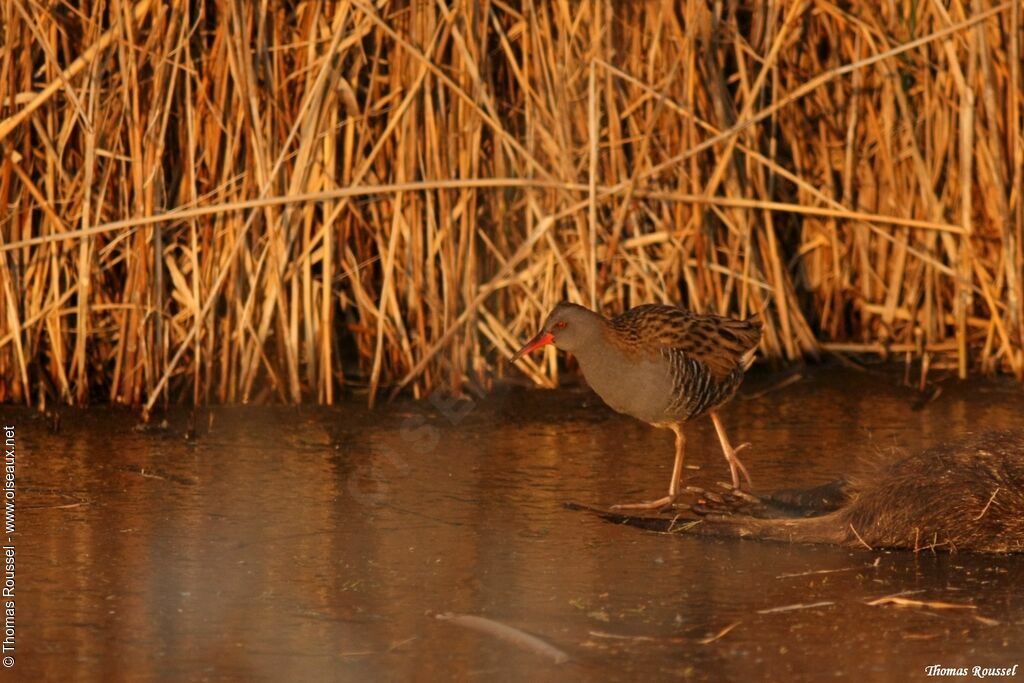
(568,327)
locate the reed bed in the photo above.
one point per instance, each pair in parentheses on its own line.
(227,201)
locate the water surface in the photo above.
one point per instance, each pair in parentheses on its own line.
(321,544)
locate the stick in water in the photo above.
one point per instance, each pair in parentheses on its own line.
(509,634)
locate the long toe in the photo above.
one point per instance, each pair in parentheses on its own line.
(746,475)
(736,468)
(648,505)
(735,474)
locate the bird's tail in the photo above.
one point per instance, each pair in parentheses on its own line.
(747,359)
(756,322)
(756,319)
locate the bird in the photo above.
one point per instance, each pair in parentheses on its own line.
(661,364)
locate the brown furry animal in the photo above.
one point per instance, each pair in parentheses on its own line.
(964,495)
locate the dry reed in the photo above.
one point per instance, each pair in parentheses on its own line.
(204,202)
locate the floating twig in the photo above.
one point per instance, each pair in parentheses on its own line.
(791,608)
(621,636)
(907,602)
(638,639)
(721,634)
(510,634)
(920,636)
(823,571)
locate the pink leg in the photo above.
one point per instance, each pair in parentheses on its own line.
(735,466)
(673,485)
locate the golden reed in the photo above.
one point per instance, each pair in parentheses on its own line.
(204,203)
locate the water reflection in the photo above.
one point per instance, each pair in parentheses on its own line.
(289,544)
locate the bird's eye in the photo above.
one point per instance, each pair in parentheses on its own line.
(561,325)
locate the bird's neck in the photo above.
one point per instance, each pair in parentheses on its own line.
(596,348)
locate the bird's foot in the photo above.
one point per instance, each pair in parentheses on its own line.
(736,467)
(649,505)
(729,501)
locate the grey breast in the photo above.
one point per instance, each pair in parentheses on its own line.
(638,387)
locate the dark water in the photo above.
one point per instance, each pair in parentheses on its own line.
(320,544)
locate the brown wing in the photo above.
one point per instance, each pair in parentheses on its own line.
(722,344)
